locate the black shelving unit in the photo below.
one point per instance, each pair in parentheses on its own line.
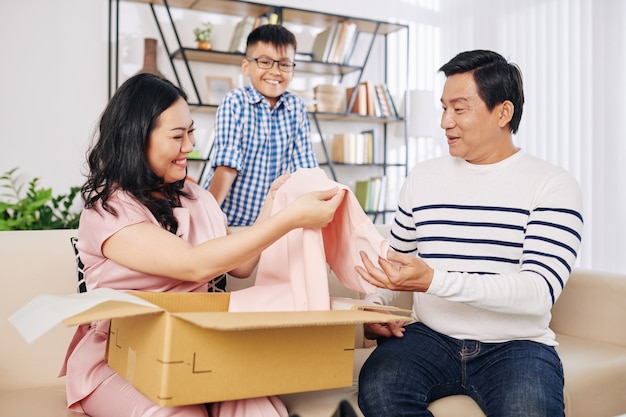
(177,52)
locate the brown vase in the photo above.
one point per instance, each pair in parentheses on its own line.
(207,45)
(150,58)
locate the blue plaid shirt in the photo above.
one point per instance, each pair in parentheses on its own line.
(261,144)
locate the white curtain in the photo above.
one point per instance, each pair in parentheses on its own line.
(572,54)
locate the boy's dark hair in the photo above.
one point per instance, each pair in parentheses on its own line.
(497,79)
(276,35)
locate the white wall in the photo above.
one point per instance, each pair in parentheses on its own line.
(52,86)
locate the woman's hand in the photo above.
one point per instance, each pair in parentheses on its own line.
(266,210)
(315,209)
(276,184)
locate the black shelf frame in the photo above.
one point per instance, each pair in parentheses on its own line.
(288,14)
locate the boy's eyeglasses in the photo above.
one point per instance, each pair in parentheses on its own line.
(267,63)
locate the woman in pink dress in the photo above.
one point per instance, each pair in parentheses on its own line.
(144,227)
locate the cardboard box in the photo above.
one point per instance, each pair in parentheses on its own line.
(188,349)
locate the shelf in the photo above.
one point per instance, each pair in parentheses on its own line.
(234,58)
(341,117)
(377,164)
(229,7)
(214,57)
(353,117)
(203,108)
(181,57)
(291,15)
(376,213)
(310,18)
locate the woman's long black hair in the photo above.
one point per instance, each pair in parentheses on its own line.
(117,159)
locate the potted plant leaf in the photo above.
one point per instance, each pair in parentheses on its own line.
(35,208)
(203,36)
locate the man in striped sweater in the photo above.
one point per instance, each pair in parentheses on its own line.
(485,240)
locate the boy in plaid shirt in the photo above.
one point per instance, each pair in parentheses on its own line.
(261,131)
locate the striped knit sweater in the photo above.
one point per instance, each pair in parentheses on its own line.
(502,239)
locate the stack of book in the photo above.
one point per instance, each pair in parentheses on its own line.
(308,96)
(336,43)
(371,193)
(247,25)
(356,148)
(329,98)
(371,100)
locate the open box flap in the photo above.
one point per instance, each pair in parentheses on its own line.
(283,319)
(341,303)
(44,312)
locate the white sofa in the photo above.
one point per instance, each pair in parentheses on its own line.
(589,319)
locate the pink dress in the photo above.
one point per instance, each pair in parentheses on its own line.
(200,219)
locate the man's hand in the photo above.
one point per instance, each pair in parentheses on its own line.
(377,330)
(399,272)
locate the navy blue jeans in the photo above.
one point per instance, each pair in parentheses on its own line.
(512,379)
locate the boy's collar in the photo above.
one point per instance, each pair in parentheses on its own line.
(254,97)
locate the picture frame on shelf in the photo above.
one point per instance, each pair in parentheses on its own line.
(217,88)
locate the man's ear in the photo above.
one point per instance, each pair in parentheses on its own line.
(506,113)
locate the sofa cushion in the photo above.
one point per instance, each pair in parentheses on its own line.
(48,401)
(595,376)
(51,269)
(592,307)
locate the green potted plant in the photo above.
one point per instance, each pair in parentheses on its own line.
(203,36)
(35,208)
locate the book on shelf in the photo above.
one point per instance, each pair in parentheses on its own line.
(385,106)
(359,105)
(344,39)
(371,193)
(329,98)
(336,43)
(323,43)
(392,106)
(375,147)
(355,148)
(371,100)
(351,46)
(272,18)
(247,25)
(373,104)
(241,32)
(361,192)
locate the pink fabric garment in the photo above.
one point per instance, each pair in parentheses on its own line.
(292,273)
(200,219)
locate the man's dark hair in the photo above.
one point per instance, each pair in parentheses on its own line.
(276,35)
(497,79)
